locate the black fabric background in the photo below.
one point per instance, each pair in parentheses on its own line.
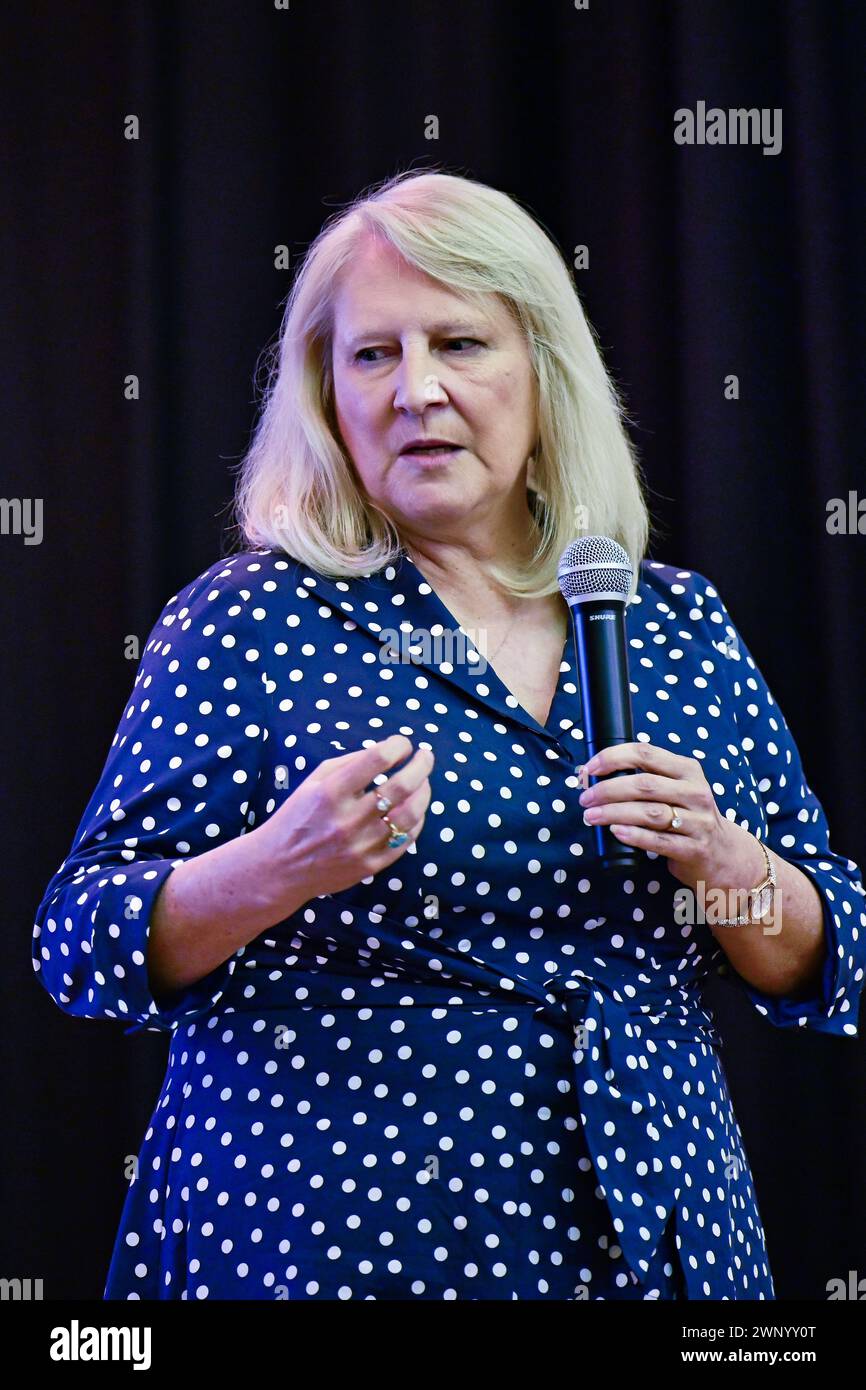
(156,257)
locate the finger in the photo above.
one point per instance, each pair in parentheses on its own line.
(668,846)
(357,769)
(648,814)
(403,783)
(640,786)
(409,791)
(637,757)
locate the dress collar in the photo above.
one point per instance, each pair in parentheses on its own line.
(399,607)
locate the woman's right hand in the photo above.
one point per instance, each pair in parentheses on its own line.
(328,835)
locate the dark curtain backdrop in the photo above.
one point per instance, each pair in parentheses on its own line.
(156,257)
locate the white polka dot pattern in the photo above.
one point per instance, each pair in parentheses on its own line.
(487,1071)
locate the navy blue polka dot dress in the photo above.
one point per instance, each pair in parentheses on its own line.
(485,1072)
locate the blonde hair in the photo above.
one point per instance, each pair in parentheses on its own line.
(297,490)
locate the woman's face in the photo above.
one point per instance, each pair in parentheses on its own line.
(412,359)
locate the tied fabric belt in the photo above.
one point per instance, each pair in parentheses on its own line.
(630,1106)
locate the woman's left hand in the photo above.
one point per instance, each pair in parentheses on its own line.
(637,808)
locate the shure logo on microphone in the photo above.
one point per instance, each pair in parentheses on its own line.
(602,617)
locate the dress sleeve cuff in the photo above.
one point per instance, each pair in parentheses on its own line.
(835,1008)
(114,982)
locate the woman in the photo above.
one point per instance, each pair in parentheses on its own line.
(421,1046)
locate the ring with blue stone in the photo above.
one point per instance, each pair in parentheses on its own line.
(398,836)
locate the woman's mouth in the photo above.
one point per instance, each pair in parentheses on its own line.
(431,452)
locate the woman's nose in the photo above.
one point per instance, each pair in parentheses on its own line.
(418,385)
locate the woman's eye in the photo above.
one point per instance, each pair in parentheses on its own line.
(449,342)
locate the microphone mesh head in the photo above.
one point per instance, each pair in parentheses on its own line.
(594,567)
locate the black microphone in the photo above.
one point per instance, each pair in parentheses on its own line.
(595,576)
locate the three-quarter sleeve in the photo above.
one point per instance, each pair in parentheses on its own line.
(178,780)
(797,830)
